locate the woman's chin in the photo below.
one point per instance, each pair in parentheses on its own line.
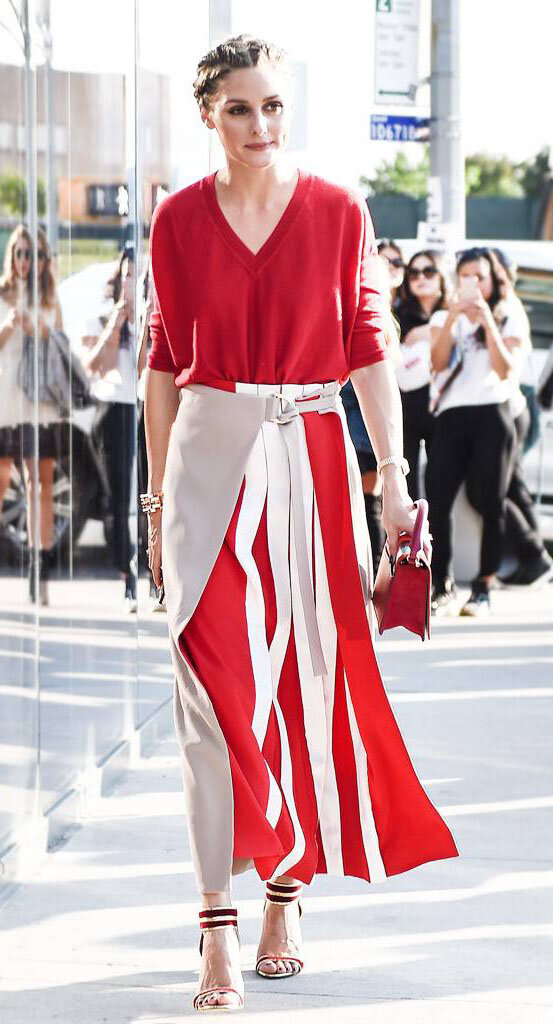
(261,157)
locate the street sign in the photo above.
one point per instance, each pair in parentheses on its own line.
(398,128)
(396,56)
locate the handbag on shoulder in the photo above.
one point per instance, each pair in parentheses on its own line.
(403,586)
(61,377)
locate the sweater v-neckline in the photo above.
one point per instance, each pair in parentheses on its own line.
(255,260)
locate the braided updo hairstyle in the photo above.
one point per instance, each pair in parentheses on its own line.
(239,52)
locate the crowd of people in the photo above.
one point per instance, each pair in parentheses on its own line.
(107,350)
(460,348)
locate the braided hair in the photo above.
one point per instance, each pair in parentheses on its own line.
(242,51)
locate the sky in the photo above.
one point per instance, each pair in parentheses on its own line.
(505,62)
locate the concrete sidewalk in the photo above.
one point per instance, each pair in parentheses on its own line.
(107,929)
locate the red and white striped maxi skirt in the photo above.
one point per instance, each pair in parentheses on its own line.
(292,759)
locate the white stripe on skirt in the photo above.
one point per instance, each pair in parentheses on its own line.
(249,518)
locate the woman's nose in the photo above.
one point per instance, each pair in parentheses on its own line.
(259,123)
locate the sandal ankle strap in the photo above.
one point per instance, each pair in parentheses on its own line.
(283,892)
(218,917)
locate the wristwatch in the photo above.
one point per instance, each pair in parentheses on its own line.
(394,460)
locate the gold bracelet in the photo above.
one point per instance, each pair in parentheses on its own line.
(152,502)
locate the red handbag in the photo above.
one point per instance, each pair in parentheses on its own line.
(402,590)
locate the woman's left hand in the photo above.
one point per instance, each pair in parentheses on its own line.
(398,511)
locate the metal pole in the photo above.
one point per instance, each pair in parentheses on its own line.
(43,18)
(447,164)
(220,21)
(30,118)
(33,541)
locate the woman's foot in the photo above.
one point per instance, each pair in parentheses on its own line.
(220,970)
(478,604)
(279,952)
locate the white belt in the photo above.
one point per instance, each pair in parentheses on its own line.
(284,405)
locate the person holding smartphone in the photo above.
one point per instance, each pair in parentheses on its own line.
(473,353)
(110,354)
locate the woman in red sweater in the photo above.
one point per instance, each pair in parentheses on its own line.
(265,302)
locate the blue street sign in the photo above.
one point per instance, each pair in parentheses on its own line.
(399,128)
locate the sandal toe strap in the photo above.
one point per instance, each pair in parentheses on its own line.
(220,990)
(268,958)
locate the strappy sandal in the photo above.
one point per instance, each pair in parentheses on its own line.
(217,917)
(282,893)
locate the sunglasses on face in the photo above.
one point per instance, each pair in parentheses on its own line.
(23,254)
(395,261)
(428,272)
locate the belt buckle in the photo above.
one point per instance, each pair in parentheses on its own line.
(287,409)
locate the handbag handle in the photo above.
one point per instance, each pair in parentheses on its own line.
(414,542)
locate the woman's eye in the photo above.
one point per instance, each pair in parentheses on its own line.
(275,105)
(237,110)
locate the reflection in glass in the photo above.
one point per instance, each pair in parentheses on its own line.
(84,156)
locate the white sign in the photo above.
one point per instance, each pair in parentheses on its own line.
(434,204)
(397,72)
(443,237)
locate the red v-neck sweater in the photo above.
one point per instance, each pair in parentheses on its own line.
(305,308)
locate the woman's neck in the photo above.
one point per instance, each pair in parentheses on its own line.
(427,303)
(20,290)
(254,188)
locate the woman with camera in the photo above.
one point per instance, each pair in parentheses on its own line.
(473,353)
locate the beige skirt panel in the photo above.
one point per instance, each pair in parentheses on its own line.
(210,442)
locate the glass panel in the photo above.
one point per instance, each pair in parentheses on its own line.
(172,151)
(19,717)
(88,629)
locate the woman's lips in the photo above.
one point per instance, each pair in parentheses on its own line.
(258,145)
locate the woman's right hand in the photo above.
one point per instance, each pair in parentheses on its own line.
(154,547)
(12,320)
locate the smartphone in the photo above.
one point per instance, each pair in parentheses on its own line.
(468,288)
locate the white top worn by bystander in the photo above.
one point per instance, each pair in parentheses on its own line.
(119,384)
(15,407)
(477,383)
(413,372)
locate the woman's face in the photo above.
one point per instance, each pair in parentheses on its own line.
(127,280)
(22,258)
(479,271)
(252,113)
(424,279)
(395,264)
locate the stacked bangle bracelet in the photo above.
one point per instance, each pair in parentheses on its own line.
(152,502)
(394,460)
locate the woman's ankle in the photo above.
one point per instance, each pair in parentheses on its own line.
(216,899)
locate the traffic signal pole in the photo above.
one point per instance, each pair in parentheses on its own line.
(447,162)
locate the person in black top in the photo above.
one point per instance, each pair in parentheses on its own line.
(424,290)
